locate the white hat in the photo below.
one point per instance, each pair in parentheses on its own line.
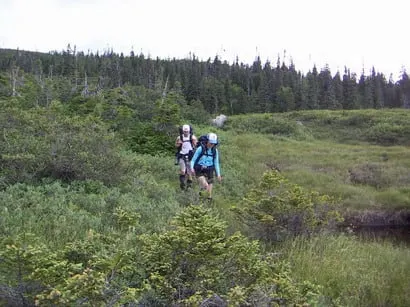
(185,128)
(212,138)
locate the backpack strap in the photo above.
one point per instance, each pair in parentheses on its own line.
(181,137)
(204,151)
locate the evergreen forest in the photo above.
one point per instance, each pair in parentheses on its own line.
(221,87)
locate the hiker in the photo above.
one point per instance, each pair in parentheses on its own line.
(205,162)
(185,143)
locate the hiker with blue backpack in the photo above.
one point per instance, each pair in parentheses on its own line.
(205,163)
(185,144)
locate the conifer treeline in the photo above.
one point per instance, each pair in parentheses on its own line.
(221,87)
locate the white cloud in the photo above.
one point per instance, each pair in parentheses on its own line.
(348,33)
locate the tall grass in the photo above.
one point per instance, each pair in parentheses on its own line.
(352,272)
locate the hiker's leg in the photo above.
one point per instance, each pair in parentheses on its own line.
(189,171)
(189,174)
(189,182)
(210,181)
(201,177)
(210,185)
(203,184)
(182,168)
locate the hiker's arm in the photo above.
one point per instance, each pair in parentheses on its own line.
(178,142)
(217,167)
(198,151)
(194,141)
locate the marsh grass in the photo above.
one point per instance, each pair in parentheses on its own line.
(338,160)
(383,127)
(352,272)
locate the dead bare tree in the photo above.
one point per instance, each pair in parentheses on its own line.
(13,78)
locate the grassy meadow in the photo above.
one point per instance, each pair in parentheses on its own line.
(338,153)
(361,158)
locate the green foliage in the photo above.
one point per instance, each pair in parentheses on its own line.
(117,108)
(143,139)
(167,114)
(156,137)
(192,263)
(5,88)
(267,124)
(60,213)
(285,98)
(143,100)
(388,133)
(87,224)
(352,272)
(105,265)
(277,208)
(30,267)
(81,105)
(386,127)
(370,174)
(51,212)
(195,112)
(84,273)
(85,288)
(126,219)
(197,262)
(42,143)
(222,88)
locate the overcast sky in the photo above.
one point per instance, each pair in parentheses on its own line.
(354,33)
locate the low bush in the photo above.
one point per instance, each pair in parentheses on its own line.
(43,143)
(196,263)
(385,133)
(276,209)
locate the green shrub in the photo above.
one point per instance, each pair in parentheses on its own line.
(30,267)
(90,272)
(277,208)
(143,139)
(51,212)
(195,112)
(196,262)
(157,136)
(386,133)
(81,105)
(42,143)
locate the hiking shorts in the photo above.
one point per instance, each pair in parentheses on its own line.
(207,171)
(184,163)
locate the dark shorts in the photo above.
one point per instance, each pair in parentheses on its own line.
(207,171)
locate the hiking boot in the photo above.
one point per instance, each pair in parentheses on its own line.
(189,184)
(182,185)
